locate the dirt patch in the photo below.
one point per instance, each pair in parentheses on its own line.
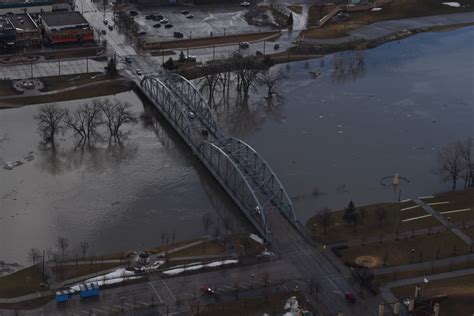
(22,282)
(368,261)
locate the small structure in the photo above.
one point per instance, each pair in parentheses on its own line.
(64,296)
(23,6)
(66,27)
(27,31)
(89,289)
(7,34)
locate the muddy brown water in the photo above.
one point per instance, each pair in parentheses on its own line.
(345,125)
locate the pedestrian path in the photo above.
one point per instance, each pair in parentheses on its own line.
(444,221)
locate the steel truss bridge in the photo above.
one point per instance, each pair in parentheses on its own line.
(241,171)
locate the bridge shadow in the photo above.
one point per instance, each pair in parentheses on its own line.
(224,207)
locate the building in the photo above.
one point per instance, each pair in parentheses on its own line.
(27,31)
(66,27)
(25,6)
(7,34)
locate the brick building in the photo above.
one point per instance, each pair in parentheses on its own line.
(66,27)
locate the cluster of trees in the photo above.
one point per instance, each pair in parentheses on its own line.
(456,162)
(242,74)
(85,121)
(352,215)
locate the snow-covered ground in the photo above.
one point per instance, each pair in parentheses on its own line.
(116,276)
(452,4)
(256,238)
(198,265)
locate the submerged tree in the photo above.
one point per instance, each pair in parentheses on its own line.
(85,121)
(117,114)
(270,79)
(50,122)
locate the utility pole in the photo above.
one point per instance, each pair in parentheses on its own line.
(59,66)
(213,52)
(31,66)
(87,64)
(264,47)
(44,277)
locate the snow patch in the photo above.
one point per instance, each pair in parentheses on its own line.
(452,4)
(376,9)
(256,238)
(198,266)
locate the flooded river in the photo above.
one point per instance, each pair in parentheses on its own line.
(347,122)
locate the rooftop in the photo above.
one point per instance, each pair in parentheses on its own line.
(22,22)
(63,18)
(5,25)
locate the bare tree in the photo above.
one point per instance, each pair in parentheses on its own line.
(210,80)
(247,73)
(266,278)
(228,224)
(450,164)
(63,245)
(206,222)
(466,149)
(50,122)
(381,215)
(84,247)
(362,214)
(34,255)
(117,114)
(324,218)
(270,79)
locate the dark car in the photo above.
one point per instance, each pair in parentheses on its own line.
(141,33)
(178,34)
(133,13)
(128,60)
(168,26)
(157,25)
(149,17)
(185,12)
(276,47)
(350,297)
(103,32)
(158,17)
(259,53)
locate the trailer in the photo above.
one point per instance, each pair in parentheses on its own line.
(89,289)
(64,296)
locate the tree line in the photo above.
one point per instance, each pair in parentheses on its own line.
(85,121)
(455,162)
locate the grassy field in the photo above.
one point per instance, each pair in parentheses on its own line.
(399,252)
(457,200)
(67,272)
(22,282)
(339,231)
(398,9)
(27,305)
(99,89)
(460,293)
(273,304)
(66,81)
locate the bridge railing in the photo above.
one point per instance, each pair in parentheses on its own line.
(230,176)
(260,173)
(189,94)
(157,91)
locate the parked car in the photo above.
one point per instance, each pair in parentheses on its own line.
(168,26)
(259,53)
(191,59)
(164,21)
(245,4)
(157,25)
(158,17)
(149,17)
(138,71)
(141,33)
(185,12)
(106,21)
(111,27)
(103,32)
(244,45)
(189,16)
(128,60)
(191,114)
(276,46)
(350,297)
(133,13)
(178,34)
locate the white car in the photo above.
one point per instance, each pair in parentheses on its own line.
(138,71)
(106,21)
(164,21)
(245,4)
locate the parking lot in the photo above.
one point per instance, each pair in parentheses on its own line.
(206,21)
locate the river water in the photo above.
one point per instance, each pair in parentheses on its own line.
(336,137)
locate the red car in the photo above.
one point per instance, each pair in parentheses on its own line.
(350,297)
(207,290)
